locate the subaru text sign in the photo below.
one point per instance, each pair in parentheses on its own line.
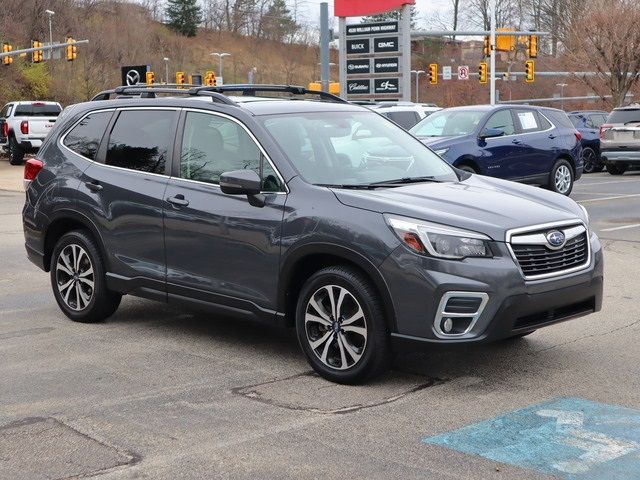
(358,66)
(386,85)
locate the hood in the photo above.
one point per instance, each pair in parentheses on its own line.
(481,204)
(436,143)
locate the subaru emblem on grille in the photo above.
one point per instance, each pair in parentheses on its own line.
(555,238)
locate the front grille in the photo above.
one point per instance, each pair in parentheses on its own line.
(536,259)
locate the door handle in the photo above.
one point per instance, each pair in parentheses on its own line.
(178,201)
(94,186)
(516,142)
(552,136)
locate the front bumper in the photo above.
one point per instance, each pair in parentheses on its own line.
(417,285)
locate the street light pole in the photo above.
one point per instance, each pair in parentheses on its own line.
(51,13)
(417,72)
(166,69)
(220,56)
(561,85)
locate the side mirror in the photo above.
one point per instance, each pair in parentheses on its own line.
(490,133)
(240,182)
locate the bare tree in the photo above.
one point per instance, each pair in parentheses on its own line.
(607,41)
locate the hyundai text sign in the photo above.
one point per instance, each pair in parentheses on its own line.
(386,65)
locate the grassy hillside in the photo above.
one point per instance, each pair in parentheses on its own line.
(122,33)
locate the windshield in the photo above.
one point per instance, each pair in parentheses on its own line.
(352,148)
(448,123)
(626,115)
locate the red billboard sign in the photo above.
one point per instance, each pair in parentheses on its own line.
(359,8)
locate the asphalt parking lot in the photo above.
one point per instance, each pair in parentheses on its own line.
(161,393)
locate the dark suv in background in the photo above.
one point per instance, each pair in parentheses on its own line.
(274,211)
(588,123)
(534,145)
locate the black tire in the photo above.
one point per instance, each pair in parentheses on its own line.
(616,169)
(372,349)
(561,177)
(467,168)
(598,168)
(16,154)
(72,300)
(589,160)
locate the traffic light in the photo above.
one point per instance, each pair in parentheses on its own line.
(6,48)
(533,46)
(482,71)
(486,49)
(210,78)
(72,50)
(150,78)
(37,55)
(529,71)
(433,73)
(180,78)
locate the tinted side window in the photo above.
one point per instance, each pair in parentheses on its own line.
(213,145)
(84,138)
(405,119)
(625,115)
(5,111)
(502,120)
(141,140)
(597,120)
(527,121)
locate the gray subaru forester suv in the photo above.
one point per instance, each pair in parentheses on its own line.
(271,209)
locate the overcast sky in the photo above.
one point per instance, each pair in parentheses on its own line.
(310,10)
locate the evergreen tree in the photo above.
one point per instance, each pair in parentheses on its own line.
(393,15)
(184,16)
(278,22)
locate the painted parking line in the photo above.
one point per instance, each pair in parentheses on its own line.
(580,183)
(616,197)
(572,438)
(623,227)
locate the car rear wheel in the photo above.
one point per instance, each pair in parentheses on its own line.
(590,161)
(341,326)
(616,169)
(78,279)
(16,154)
(561,178)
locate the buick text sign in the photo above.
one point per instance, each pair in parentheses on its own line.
(358,66)
(386,65)
(358,46)
(386,44)
(372,28)
(386,85)
(355,87)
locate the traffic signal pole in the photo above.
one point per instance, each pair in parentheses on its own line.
(15,53)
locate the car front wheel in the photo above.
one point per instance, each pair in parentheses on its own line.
(78,279)
(561,178)
(590,161)
(341,326)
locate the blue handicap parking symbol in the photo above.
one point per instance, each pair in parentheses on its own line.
(571,438)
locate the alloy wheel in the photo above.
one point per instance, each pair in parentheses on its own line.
(75,277)
(588,160)
(562,179)
(336,327)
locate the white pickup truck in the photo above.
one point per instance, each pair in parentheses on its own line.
(24,125)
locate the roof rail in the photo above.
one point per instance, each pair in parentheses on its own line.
(149,91)
(251,89)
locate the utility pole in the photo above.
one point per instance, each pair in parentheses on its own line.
(492,52)
(166,69)
(417,72)
(51,13)
(325,38)
(561,85)
(220,56)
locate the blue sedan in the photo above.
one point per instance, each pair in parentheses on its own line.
(527,144)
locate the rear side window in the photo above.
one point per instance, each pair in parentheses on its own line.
(140,140)
(626,115)
(527,121)
(559,118)
(38,110)
(5,111)
(84,138)
(544,123)
(405,119)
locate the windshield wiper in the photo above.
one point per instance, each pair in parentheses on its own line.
(354,186)
(405,180)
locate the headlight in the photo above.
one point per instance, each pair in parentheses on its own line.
(439,240)
(586,214)
(441,152)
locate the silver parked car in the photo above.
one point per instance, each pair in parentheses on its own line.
(620,139)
